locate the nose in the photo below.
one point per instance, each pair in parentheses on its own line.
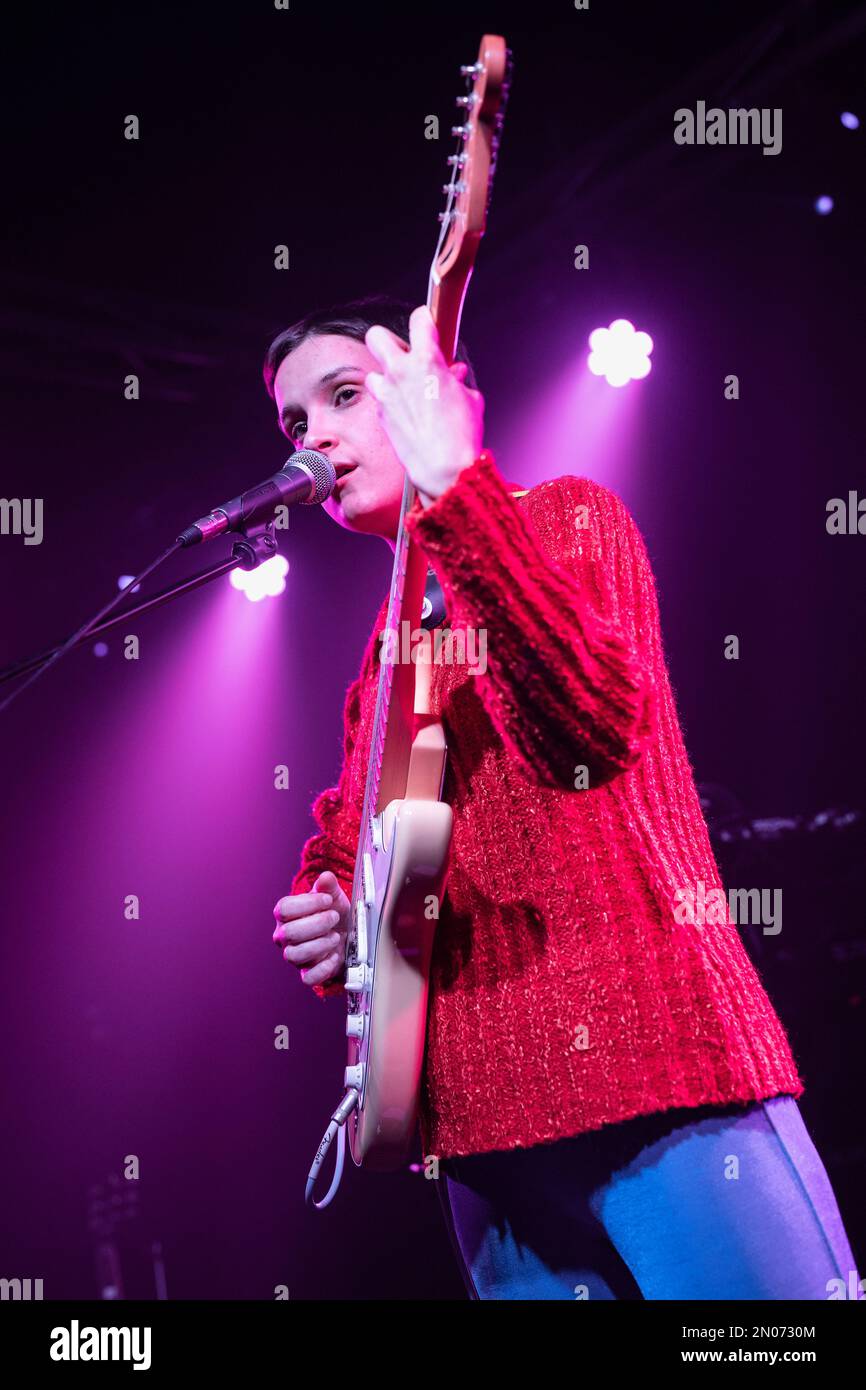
(321,441)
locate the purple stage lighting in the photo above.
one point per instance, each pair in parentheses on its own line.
(824,204)
(619,353)
(849,120)
(266,581)
(100,649)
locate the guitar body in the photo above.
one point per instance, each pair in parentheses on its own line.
(408,875)
(402,882)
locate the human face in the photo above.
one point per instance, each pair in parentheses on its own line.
(323,404)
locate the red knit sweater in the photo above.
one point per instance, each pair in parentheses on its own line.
(564,994)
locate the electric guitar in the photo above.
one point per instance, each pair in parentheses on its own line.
(402,857)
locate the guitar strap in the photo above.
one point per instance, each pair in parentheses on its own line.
(433,608)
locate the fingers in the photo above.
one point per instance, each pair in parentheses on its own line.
(374,382)
(300,904)
(318,974)
(312,952)
(311,930)
(423,334)
(316,926)
(327,882)
(385,346)
(390,351)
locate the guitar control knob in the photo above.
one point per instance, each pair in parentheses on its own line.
(355,1076)
(354,1025)
(357,979)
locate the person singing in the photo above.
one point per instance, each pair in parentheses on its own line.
(608,1089)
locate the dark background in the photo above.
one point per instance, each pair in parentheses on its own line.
(260,127)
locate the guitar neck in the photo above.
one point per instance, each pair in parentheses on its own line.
(463,222)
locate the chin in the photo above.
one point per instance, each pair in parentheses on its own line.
(365,510)
(353,517)
(364,523)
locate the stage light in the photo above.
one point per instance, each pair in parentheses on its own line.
(100,649)
(849,120)
(619,353)
(125,579)
(824,204)
(267,581)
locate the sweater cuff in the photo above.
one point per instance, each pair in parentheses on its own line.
(440,506)
(476,516)
(457,513)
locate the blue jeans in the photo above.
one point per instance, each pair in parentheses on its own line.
(719,1202)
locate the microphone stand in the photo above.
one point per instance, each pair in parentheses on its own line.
(251,548)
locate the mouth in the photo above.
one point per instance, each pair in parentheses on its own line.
(343,470)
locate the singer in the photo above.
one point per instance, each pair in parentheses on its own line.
(608,1088)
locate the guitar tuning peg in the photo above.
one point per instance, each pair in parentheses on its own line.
(471,69)
(469,100)
(464,131)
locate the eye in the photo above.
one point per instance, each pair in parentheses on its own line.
(298,429)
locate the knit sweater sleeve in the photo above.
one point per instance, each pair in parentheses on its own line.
(567,601)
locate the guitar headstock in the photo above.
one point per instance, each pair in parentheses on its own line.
(467,195)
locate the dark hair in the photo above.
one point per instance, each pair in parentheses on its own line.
(350,320)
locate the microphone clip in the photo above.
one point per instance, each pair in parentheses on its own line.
(255,545)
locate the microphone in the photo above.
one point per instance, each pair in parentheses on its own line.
(305,479)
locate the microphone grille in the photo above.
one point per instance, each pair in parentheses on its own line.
(322,471)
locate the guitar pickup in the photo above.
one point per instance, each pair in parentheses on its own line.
(369,881)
